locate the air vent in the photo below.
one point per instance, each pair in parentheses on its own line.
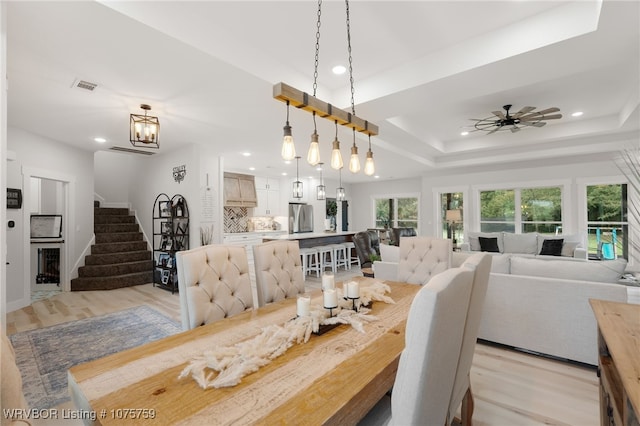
(82,84)
(130,150)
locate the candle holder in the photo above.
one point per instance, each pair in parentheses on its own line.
(353,299)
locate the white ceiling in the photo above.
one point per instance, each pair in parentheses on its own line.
(422,69)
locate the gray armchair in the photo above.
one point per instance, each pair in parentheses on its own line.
(367,243)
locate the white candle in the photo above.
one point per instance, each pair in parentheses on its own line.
(330,298)
(353,290)
(328,281)
(345,289)
(304,305)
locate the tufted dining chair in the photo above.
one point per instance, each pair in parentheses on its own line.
(423,257)
(213,283)
(427,366)
(480,264)
(278,271)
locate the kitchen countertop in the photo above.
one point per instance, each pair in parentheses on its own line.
(231,234)
(311,235)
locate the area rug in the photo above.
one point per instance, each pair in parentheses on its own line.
(44,355)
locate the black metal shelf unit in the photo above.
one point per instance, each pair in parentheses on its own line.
(170,235)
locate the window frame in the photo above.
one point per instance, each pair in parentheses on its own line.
(566,208)
(583,220)
(395,196)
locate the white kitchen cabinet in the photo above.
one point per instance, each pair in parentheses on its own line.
(268,194)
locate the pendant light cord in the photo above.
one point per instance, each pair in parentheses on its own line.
(353,108)
(317,57)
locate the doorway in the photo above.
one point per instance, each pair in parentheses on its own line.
(46,193)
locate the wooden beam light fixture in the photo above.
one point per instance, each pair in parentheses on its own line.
(310,103)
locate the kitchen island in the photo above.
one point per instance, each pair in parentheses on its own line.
(312,239)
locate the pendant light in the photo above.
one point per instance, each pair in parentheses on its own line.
(369,166)
(321,190)
(313,156)
(354,161)
(340,195)
(336,157)
(310,103)
(297,185)
(288,148)
(144,129)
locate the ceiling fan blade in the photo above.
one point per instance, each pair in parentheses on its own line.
(499,114)
(548,110)
(540,124)
(494,130)
(523,111)
(551,117)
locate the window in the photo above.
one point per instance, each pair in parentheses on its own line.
(522,210)
(607,224)
(397,212)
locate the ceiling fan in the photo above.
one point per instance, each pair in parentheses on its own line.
(526,117)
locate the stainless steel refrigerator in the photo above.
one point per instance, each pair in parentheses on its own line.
(300,218)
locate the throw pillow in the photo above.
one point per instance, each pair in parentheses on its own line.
(568,248)
(489,244)
(552,247)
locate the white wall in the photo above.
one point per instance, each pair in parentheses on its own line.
(154,175)
(362,195)
(112,174)
(41,157)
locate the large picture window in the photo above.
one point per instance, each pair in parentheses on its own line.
(607,224)
(397,212)
(522,210)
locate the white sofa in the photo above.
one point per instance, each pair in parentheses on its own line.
(527,244)
(539,303)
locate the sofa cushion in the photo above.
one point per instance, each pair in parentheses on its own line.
(489,244)
(501,263)
(571,242)
(521,243)
(568,248)
(474,243)
(596,271)
(552,247)
(389,253)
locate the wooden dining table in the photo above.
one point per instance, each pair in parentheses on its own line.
(334,378)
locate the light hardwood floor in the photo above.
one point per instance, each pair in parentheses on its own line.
(511,388)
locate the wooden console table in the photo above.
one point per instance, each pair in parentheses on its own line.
(618,363)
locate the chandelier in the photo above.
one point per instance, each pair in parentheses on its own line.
(312,104)
(144,129)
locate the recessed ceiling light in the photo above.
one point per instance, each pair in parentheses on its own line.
(246,154)
(284,173)
(252,168)
(338,69)
(577,114)
(100,140)
(377,177)
(465,133)
(287,162)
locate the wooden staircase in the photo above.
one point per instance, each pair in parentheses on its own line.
(119,258)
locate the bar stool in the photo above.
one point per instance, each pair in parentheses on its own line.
(352,256)
(340,255)
(326,257)
(310,261)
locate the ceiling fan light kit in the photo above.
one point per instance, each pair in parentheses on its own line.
(525,117)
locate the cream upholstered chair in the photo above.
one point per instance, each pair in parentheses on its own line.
(480,264)
(423,257)
(214,283)
(427,367)
(278,271)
